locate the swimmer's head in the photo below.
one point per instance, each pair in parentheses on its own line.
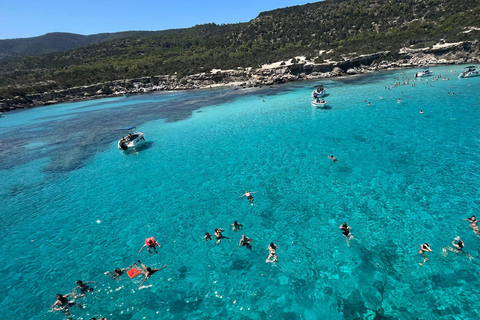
(149,269)
(150,241)
(59,296)
(79,282)
(118,270)
(235,222)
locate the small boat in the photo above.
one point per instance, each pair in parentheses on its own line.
(131,140)
(424,73)
(319,103)
(469,72)
(319,92)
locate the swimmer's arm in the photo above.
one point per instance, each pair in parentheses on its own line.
(142,248)
(164,266)
(240,243)
(145,279)
(158,244)
(143,266)
(254,192)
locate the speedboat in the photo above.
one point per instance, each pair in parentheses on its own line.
(469,72)
(319,103)
(424,73)
(131,140)
(319,92)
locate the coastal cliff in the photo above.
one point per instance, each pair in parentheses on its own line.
(292,70)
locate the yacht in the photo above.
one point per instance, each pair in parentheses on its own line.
(131,140)
(424,73)
(319,92)
(469,72)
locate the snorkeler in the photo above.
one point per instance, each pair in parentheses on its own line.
(147,271)
(116,273)
(272,256)
(207,237)
(332,157)
(150,243)
(82,286)
(63,304)
(346,232)
(473,223)
(219,235)
(245,241)
(249,196)
(235,226)
(424,248)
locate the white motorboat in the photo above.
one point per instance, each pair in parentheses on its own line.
(424,73)
(131,140)
(319,103)
(319,92)
(469,72)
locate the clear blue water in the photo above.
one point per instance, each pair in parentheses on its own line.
(74,206)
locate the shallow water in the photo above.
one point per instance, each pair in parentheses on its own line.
(74,206)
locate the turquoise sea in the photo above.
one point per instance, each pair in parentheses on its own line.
(74,206)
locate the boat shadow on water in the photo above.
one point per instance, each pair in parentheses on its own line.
(144,146)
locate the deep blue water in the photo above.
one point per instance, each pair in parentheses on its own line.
(74,206)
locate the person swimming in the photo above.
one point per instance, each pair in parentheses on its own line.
(116,273)
(346,232)
(249,196)
(150,243)
(207,237)
(235,226)
(219,235)
(332,157)
(245,241)
(83,288)
(473,223)
(458,246)
(424,247)
(272,256)
(63,304)
(146,271)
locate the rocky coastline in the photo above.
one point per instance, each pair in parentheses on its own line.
(441,54)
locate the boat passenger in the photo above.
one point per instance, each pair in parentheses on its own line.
(147,271)
(272,256)
(150,243)
(346,232)
(235,226)
(245,241)
(249,196)
(219,235)
(424,248)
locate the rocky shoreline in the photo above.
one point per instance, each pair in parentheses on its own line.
(441,54)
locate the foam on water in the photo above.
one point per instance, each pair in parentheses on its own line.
(74,206)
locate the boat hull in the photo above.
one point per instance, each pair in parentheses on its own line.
(131,141)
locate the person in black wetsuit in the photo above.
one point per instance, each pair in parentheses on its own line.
(346,232)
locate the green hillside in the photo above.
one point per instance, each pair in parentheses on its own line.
(346,27)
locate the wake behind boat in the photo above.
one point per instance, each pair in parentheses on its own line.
(131,140)
(424,73)
(469,72)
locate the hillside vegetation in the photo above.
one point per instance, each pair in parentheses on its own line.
(339,27)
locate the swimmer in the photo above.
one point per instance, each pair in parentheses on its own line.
(98,319)
(457,248)
(346,232)
(147,271)
(116,273)
(63,304)
(235,226)
(245,241)
(272,257)
(82,286)
(331,157)
(421,111)
(249,196)
(473,223)
(219,235)
(150,243)
(399,100)
(207,237)
(369,104)
(424,248)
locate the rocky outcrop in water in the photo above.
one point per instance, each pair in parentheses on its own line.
(454,53)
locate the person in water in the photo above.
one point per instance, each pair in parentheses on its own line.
(272,256)
(346,232)
(147,271)
(332,157)
(473,223)
(458,246)
(63,304)
(245,241)
(235,226)
(82,287)
(116,273)
(249,196)
(207,237)
(219,235)
(150,243)
(424,247)
(98,319)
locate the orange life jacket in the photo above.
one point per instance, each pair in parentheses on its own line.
(150,242)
